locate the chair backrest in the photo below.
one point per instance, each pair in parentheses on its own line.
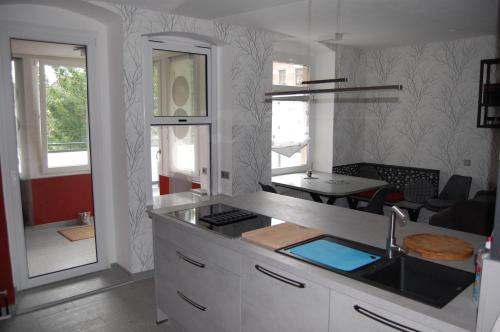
(418,191)
(368,171)
(376,204)
(457,188)
(268,188)
(472,216)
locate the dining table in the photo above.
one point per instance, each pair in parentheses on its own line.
(328,185)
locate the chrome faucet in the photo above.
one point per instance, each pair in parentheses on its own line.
(391,245)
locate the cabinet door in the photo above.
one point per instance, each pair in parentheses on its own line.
(198,281)
(349,314)
(274,300)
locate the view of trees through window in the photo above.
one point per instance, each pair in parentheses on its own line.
(66,107)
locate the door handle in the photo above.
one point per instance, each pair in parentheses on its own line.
(191,302)
(279,277)
(190,260)
(383,320)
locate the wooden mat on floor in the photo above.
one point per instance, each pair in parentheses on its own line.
(78,233)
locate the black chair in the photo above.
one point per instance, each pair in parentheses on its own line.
(376,203)
(456,189)
(268,188)
(474,216)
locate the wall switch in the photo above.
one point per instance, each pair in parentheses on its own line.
(467,162)
(224,174)
(204,170)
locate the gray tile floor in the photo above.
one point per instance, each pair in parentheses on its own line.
(43,295)
(49,251)
(129,308)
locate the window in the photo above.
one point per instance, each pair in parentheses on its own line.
(63,113)
(299,76)
(179,84)
(282,76)
(178,121)
(290,121)
(51,108)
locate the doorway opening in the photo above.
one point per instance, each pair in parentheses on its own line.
(53,152)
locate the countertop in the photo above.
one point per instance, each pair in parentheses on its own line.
(341,222)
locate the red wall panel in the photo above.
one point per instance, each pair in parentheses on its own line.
(6,281)
(61,198)
(165,185)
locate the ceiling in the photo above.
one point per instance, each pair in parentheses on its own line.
(367,23)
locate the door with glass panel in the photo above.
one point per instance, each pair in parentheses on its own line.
(50,84)
(180,122)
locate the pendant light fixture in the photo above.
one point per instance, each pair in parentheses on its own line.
(306,92)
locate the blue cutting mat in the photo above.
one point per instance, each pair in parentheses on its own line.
(334,255)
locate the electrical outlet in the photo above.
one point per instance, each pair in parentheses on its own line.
(224,174)
(204,170)
(467,162)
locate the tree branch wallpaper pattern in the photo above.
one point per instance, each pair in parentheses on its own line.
(250,75)
(431,123)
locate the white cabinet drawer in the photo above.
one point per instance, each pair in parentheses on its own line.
(274,300)
(213,293)
(349,314)
(183,237)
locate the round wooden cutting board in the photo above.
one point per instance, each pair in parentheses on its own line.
(440,247)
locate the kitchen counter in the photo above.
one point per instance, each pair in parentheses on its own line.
(370,229)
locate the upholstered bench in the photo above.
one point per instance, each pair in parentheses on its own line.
(412,186)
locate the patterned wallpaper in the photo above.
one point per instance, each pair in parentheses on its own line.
(250,74)
(431,123)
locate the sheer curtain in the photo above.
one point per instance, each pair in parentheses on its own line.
(290,127)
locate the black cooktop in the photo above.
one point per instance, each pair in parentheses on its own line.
(224,219)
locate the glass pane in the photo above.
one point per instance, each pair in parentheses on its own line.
(179,84)
(66,117)
(297,159)
(57,203)
(289,74)
(180,158)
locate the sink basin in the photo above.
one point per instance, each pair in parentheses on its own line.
(421,280)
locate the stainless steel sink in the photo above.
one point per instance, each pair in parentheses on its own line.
(421,280)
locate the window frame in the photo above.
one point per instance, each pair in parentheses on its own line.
(279,87)
(45,169)
(178,44)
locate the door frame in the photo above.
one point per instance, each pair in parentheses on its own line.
(8,150)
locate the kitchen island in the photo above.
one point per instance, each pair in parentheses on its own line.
(208,282)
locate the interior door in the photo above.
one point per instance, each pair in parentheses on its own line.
(54,227)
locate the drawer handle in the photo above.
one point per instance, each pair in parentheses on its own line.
(191,302)
(383,320)
(190,260)
(279,277)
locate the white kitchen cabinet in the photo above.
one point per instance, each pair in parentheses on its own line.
(349,314)
(192,290)
(274,300)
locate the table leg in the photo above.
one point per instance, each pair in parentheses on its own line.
(316,198)
(353,203)
(331,200)
(413,214)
